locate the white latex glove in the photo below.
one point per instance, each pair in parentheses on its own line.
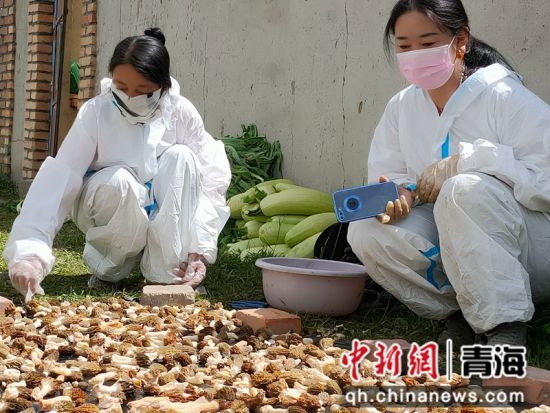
(398,209)
(26,275)
(192,272)
(434,176)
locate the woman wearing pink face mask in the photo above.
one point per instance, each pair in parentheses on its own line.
(469,145)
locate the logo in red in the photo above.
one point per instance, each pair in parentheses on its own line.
(423,360)
(388,359)
(352,359)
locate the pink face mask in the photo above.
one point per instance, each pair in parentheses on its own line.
(427,68)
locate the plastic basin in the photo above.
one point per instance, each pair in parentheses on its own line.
(311,285)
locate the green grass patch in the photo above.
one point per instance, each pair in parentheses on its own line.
(230,279)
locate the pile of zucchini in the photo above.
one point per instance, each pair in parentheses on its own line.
(279,218)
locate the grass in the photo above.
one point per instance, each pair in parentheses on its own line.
(379,315)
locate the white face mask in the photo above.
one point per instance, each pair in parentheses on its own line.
(138,109)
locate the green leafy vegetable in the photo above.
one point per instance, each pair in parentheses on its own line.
(253,159)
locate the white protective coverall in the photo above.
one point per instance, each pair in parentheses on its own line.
(153,191)
(484,246)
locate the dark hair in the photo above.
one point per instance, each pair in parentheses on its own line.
(147,54)
(451,17)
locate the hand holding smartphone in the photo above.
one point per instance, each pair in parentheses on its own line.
(363,202)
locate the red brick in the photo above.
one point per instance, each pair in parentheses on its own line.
(8,75)
(32,165)
(28,174)
(36,145)
(39,38)
(37,126)
(39,76)
(41,7)
(40,48)
(87,41)
(86,94)
(89,19)
(37,135)
(45,18)
(91,7)
(35,115)
(277,321)
(37,155)
(40,86)
(535,386)
(39,67)
(5,304)
(41,29)
(86,83)
(35,105)
(90,29)
(5,125)
(159,295)
(89,51)
(8,3)
(40,58)
(39,96)
(8,19)
(8,94)
(89,72)
(86,61)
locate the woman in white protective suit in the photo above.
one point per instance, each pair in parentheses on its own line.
(471,242)
(145,181)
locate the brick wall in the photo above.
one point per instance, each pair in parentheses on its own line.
(37,93)
(38,78)
(87,60)
(7,73)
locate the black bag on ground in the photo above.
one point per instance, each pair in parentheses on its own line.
(333,244)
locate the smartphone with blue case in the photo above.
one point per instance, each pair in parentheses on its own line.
(363,202)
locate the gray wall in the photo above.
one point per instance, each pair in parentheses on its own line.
(18,131)
(310,73)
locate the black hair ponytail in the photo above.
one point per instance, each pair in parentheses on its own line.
(147,54)
(450,16)
(480,54)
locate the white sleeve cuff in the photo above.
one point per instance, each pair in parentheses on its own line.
(26,248)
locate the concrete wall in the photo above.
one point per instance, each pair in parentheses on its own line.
(310,73)
(18,132)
